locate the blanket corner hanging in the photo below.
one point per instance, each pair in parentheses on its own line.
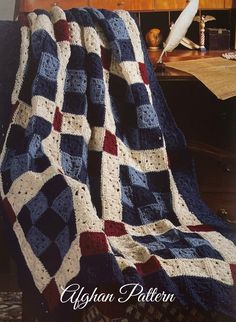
(96,180)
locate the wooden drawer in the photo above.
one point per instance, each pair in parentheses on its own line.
(131,5)
(170,4)
(30,5)
(212,4)
(230,4)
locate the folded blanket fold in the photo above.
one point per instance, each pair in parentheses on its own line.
(96,181)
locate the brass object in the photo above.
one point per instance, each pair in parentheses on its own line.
(153,38)
(202,20)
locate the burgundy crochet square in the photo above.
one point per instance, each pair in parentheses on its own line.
(233,272)
(201,228)
(93,243)
(143,72)
(57,122)
(9,211)
(149,267)
(110,145)
(113,228)
(51,294)
(23,19)
(106,57)
(61,30)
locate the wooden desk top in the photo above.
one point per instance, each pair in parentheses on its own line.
(172,74)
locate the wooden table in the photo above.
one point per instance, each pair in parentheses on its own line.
(197,112)
(171,74)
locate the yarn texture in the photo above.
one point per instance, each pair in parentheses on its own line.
(96,181)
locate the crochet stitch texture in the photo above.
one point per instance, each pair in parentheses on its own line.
(96,180)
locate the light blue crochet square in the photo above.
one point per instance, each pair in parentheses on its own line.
(63,204)
(35,146)
(49,66)
(37,240)
(137,178)
(196,242)
(76,81)
(71,164)
(37,206)
(184,252)
(118,28)
(97,91)
(63,241)
(127,195)
(162,201)
(20,164)
(147,117)
(7,161)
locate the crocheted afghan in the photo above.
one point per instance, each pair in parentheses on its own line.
(96,181)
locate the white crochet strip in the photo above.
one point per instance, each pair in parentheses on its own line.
(24,55)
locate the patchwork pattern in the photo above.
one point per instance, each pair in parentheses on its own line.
(88,190)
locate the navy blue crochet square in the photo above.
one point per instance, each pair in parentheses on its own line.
(76,81)
(19,145)
(150,213)
(96,114)
(75,103)
(147,116)
(51,258)
(124,113)
(40,164)
(74,145)
(142,196)
(119,89)
(150,138)
(44,87)
(118,28)
(94,66)
(158,181)
(122,50)
(7,182)
(97,91)
(49,66)
(140,94)
(24,218)
(130,215)
(38,126)
(77,57)
(48,220)
(41,41)
(53,187)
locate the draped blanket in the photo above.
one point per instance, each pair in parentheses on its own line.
(96,181)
